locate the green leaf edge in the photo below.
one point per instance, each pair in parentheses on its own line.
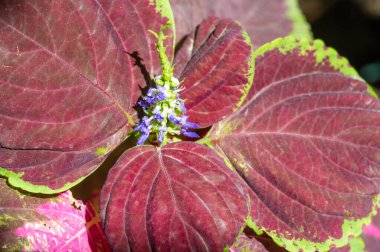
(357,244)
(301,28)
(321,53)
(350,228)
(15,180)
(164,8)
(251,70)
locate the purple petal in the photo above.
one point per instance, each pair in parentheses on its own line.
(158,117)
(150,92)
(150,100)
(191,125)
(160,88)
(161,134)
(142,139)
(143,104)
(184,119)
(189,133)
(160,97)
(181,106)
(146,120)
(174,119)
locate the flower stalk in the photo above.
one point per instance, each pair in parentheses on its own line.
(165,111)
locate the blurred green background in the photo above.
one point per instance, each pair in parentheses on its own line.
(352,27)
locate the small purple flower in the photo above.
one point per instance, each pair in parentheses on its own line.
(142,139)
(186,132)
(191,125)
(174,119)
(150,92)
(159,97)
(149,99)
(143,126)
(158,117)
(184,119)
(143,104)
(161,133)
(161,89)
(181,106)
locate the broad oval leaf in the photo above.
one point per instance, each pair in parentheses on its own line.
(70,74)
(59,223)
(181,197)
(264,20)
(307,141)
(215,64)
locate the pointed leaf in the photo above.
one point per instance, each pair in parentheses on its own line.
(216,66)
(264,20)
(48,224)
(69,78)
(307,142)
(181,197)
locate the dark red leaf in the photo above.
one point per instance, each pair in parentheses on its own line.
(59,223)
(264,20)
(216,66)
(307,142)
(68,84)
(181,197)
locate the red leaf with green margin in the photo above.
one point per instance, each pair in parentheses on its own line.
(307,142)
(264,20)
(48,224)
(68,84)
(181,197)
(215,65)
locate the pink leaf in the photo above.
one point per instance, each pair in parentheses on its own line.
(48,224)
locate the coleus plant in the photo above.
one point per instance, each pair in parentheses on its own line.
(290,140)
